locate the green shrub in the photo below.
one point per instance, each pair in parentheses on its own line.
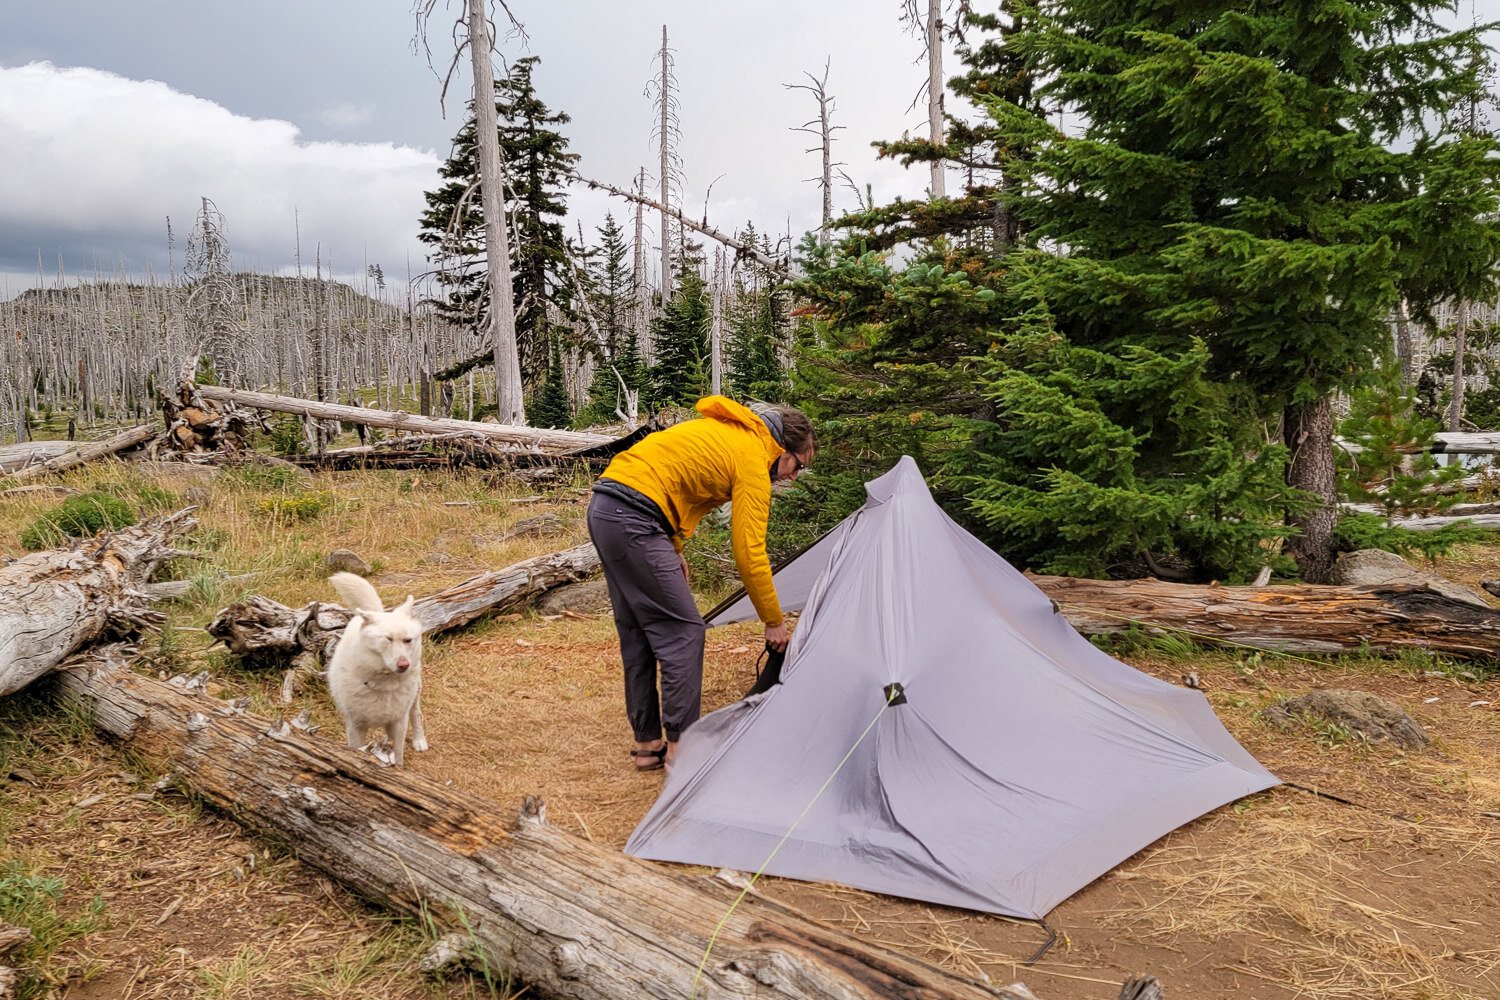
(298,506)
(150,496)
(82,515)
(287,436)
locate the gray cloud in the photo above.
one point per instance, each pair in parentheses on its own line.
(93,163)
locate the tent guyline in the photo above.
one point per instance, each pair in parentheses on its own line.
(693,992)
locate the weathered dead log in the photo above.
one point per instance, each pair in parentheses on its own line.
(54,602)
(263,630)
(524,436)
(1383,618)
(25,453)
(87,453)
(1474,520)
(567,917)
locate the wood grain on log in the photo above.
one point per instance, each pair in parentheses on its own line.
(1383,618)
(567,917)
(88,453)
(54,602)
(526,436)
(25,453)
(262,629)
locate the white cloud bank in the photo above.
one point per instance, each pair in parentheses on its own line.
(92,162)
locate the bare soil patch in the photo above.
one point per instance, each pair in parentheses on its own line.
(1394,893)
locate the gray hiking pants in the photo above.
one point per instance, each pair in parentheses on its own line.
(655,616)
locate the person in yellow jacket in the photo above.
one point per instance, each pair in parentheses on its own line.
(645,505)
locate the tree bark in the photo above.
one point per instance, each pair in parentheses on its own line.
(262,629)
(1404,353)
(1460,348)
(568,918)
(1308,433)
(546,439)
(502,312)
(935,122)
(665,172)
(54,602)
(88,453)
(1383,618)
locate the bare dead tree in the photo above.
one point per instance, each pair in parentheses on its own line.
(642,300)
(666,132)
(823,128)
(719,292)
(479,36)
(211,296)
(930,26)
(1460,348)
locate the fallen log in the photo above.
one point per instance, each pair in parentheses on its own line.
(1480,519)
(570,919)
(1466,443)
(25,453)
(88,453)
(525,436)
(54,602)
(263,630)
(1381,618)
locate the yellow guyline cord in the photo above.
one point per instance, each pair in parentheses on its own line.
(703,964)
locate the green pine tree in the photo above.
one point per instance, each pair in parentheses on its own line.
(1391,464)
(756,331)
(681,372)
(549,405)
(1266,180)
(1065,455)
(537,167)
(612,295)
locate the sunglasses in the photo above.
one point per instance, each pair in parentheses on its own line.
(798,464)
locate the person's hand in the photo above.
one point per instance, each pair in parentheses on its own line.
(777,636)
(683,560)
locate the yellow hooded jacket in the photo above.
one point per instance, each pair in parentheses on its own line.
(692,467)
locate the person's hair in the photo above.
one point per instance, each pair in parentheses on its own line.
(797,434)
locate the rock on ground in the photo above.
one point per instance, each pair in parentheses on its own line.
(540,526)
(1367,566)
(180,471)
(347,561)
(588,598)
(1373,717)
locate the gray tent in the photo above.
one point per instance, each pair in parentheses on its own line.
(1022,763)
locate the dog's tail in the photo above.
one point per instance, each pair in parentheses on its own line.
(356,592)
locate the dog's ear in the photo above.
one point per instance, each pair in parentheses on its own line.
(407,604)
(356,620)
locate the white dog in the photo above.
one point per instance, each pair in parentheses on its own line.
(375,675)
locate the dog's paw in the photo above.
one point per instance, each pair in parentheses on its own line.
(419,744)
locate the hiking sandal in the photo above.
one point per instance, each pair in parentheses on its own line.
(661,759)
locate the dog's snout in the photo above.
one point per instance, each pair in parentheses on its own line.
(402,663)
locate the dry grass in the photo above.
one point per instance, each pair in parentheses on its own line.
(1282,895)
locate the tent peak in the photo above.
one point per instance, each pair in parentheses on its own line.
(903,479)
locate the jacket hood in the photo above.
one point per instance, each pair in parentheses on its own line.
(725,409)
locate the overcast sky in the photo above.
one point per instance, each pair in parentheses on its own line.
(317,114)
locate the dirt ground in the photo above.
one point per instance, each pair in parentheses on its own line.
(1392,893)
